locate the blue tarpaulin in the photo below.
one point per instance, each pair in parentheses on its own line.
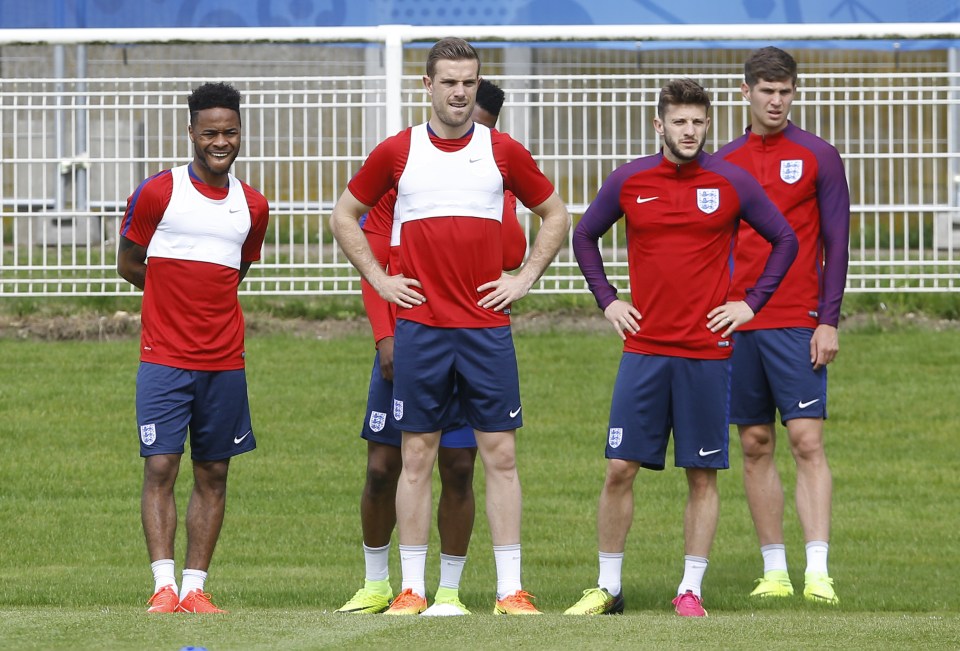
(279,13)
(329,13)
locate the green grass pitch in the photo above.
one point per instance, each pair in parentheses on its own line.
(74,572)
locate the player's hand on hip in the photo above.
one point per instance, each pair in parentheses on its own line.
(502,292)
(824,345)
(400,290)
(624,317)
(728,317)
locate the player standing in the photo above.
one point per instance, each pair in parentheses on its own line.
(458,447)
(187,239)
(453,339)
(780,359)
(682,209)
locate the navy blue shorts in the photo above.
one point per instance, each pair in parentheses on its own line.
(655,394)
(438,371)
(378,428)
(772,371)
(212,405)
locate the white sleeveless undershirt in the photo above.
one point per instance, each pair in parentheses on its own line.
(436,183)
(200,229)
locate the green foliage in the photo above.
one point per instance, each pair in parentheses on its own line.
(74,573)
(305,307)
(556,303)
(51,307)
(942,305)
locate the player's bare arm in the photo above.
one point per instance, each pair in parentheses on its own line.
(624,317)
(730,315)
(385,348)
(132,262)
(345,225)
(244,268)
(824,345)
(553,232)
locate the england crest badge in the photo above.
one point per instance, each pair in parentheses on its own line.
(148,434)
(397,409)
(791,170)
(615,437)
(377,420)
(708,199)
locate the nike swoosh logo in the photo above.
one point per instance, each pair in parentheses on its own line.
(236,209)
(237,440)
(474,160)
(645,199)
(804,405)
(513,414)
(707,453)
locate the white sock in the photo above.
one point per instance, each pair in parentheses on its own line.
(376,561)
(611,568)
(192,580)
(774,557)
(451,569)
(163,574)
(694,568)
(413,562)
(507,558)
(817,556)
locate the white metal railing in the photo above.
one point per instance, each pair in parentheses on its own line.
(75,148)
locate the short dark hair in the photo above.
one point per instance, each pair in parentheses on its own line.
(490,97)
(769,64)
(682,91)
(451,49)
(213,95)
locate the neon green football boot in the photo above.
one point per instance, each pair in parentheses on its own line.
(373,597)
(774,584)
(597,601)
(818,587)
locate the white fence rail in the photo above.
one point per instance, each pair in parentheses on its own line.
(75,148)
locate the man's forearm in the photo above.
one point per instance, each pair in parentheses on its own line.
(553,233)
(349,236)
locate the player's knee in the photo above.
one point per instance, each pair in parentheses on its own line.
(620,474)
(757,444)
(701,483)
(456,465)
(155,481)
(161,470)
(500,464)
(382,477)
(418,460)
(808,449)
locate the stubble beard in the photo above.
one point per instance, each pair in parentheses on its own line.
(680,154)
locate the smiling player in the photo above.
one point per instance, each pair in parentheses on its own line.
(187,239)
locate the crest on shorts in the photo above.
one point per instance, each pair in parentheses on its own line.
(708,199)
(615,437)
(148,434)
(397,409)
(377,420)
(791,170)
